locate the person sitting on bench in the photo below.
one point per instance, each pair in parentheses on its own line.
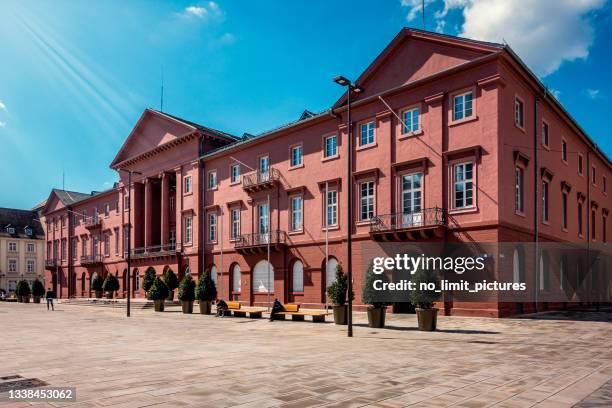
(221,308)
(277,307)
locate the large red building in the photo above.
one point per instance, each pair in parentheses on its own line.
(479,136)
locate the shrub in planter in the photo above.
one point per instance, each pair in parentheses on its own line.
(187,293)
(158,292)
(423,299)
(337,294)
(171,282)
(23,291)
(148,279)
(369,296)
(38,290)
(206,292)
(96,285)
(110,285)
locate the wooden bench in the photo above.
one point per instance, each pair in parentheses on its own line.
(236,309)
(296,314)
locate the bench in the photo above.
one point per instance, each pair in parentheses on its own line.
(297,315)
(236,309)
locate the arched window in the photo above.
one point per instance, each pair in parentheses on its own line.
(518,266)
(236,287)
(298,276)
(263,276)
(136,280)
(330,272)
(214,275)
(93,277)
(544,272)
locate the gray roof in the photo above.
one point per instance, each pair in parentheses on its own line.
(20,220)
(70,197)
(200,127)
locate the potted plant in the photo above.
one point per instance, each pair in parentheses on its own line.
(110,285)
(171,282)
(377,309)
(423,299)
(187,293)
(158,292)
(97,286)
(23,291)
(206,292)
(148,279)
(38,290)
(337,294)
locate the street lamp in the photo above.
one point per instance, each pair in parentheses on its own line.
(351,87)
(129,239)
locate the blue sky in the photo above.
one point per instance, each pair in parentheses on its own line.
(75,76)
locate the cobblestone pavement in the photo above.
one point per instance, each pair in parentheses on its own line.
(175,360)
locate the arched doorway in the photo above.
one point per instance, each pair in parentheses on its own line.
(83,280)
(297,277)
(135,282)
(330,271)
(236,281)
(263,277)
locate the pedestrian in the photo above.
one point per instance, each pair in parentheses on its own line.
(277,307)
(221,308)
(50,295)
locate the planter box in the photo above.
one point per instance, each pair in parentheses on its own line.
(376,317)
(205,307)
(428,319)
(341,314)
(187,306)
(159,305)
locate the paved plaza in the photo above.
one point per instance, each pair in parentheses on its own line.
(175,360)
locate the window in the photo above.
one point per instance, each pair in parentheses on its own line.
(564,151)
(188,234)
(236,287)
(296,156)
(126,236)
(75,219)
(117,207)
(593,176)
(187,186)
(30,266)
(330,146)
(564,210)
(30,248)
(64,249)
(126,202)
(264,169)
(545,201)
(519,113)
(263,277)
(212,227)
(84,246)
(95,215)
(212,180)
(94,247)
(332,207)
(579,164)
(366,198)
(173,238)
(411,121)
(366,131)
(593,215)
(28,231)
(296,213)
(74,248)
(298,277)
(171,202)
(263,218)
(235,173)
(545,133)
(12,265)
(579,218)
(116,241)
(462,106)
(106,209)
(235,220)
(411,193)
(463,185)
(12,247)
(518,190)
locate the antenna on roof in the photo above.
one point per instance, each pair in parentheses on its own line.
(161,102)
(423,12)
(63,180)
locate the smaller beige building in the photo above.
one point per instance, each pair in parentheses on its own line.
(21,248)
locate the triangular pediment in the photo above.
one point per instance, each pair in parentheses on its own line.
(415,54)
(153,129)
(53,203)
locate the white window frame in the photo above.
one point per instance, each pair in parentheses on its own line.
(30,266)
(545,201)
(564,150)
(331,208)
(545,134)
(263,218)
(12,246)
(212,227)
(187,185)
(519,112)
(13,265)
(367,201)
(519,190)
(106,244)
(463,112)
(30,248)
(463,182)
(292,156)
(334,146)
(370,133)
(297,214)
(235,223)
(408,119)
(188,231)
(106,209)
(212,180)
(235,175)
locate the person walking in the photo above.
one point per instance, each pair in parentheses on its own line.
(50,295)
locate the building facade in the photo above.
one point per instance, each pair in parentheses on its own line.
(453,140)
(22,248)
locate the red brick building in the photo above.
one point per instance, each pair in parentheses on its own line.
(479,134)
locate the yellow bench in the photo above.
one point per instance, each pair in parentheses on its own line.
(238,311)
(294,312)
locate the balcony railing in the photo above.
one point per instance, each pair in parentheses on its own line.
(50,263)
(428,217)
(259,180)
(274,238)
(91,259)
(154,250)
(93,222)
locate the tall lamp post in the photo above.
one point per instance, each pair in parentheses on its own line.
(351,87)
(129,236)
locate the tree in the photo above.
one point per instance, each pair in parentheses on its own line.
(421,297)
(158,290)
(339,287)
(187,289)
(23,288)
(148,279)
(97,283)
(170,279)
(206,289)
(369,295)
(38,289)
(111,283)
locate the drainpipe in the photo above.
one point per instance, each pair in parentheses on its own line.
(536,198)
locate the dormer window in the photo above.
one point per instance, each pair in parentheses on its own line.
(10,230)
(28,231)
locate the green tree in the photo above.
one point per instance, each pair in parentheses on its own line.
(111,283)
(187,289)
(158,290)
(206,289)
(420,297)
(170,279)
(369,295)
(23,288)
(97,283)
(339,287)
(148,279)
(38,289)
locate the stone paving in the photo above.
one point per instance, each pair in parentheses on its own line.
(174,360)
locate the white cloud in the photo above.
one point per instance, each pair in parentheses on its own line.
(196,11)
(2,106)
(208,11)
(2,124)
(555,92)
(544,33)
(415,8)
(593,93)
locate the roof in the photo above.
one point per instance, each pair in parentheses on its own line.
(198,126)
(70,197)
(20,219)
